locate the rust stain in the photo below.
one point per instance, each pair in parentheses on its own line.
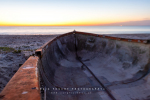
(24,85)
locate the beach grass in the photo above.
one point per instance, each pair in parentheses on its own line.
(17,51)
(7,49)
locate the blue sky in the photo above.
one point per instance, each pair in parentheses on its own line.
(73,12)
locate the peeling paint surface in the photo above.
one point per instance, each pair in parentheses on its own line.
(27,67)
(25,92)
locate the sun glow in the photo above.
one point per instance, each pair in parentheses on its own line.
(66,13)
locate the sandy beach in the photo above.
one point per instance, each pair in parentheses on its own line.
(16,49)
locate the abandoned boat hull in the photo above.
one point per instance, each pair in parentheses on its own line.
(81,60)
(85,66)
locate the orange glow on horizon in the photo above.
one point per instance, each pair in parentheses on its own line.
(57,24)
(73,13)
(77,23)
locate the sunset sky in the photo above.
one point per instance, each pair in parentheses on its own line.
(74,12)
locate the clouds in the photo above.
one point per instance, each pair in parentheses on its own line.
(132,23)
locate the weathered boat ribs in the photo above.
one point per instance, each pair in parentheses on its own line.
(86,48)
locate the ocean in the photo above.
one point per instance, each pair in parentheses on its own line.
(50,30)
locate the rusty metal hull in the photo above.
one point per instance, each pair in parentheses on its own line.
(24,85)
(118,66)
(84,66)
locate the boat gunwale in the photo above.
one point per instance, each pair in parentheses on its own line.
(39,52)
